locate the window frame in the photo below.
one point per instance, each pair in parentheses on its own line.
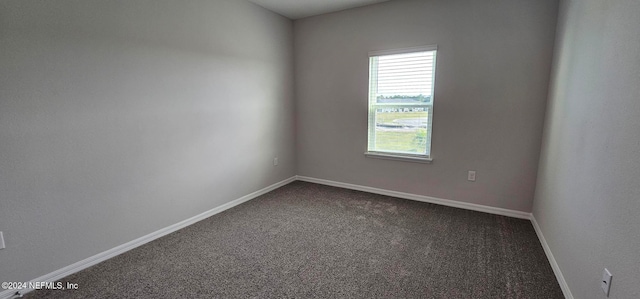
(371,107)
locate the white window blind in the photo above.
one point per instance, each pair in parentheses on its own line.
(401,84)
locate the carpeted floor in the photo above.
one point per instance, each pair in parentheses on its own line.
(311,241)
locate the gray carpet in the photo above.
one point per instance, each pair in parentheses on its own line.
(311,241)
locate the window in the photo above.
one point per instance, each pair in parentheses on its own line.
(401,86)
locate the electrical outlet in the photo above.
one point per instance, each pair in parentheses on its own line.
(471,176)
(275,161)
(606,281)
(1,241)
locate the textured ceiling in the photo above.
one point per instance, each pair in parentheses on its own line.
(297,9)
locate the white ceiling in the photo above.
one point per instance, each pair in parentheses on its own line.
(297,9)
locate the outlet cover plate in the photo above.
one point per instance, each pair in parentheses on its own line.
(606,281)
(471,176)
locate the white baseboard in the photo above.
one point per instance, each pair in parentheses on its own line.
(429,199)
(103,256)
(462,205)
(552,260)
(88,262)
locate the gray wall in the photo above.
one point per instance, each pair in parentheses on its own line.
(588,195)
(118,118)
(494,62)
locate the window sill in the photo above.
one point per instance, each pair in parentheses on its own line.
(399,157)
